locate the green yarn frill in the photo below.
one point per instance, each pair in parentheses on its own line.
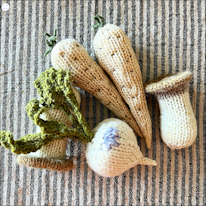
(56,92)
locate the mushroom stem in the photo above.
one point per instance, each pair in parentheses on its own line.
(177,120)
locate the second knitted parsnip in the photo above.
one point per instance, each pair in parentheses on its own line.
(116,56)
(69,55)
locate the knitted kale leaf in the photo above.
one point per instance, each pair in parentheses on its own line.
(55,91)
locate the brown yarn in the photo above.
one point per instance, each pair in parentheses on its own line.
(44,163)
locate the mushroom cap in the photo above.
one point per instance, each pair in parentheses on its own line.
(167,82)
(44,163)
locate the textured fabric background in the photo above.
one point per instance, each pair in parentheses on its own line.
(167,36)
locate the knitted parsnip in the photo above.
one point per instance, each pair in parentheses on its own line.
(69,55)
(116,56)
(177,121)
(52,155)
(114,149)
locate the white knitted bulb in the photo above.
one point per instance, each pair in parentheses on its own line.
(114,149)
(177,120)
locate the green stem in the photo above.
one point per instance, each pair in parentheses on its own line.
(54,127)
(51,41)
(53,84)
(99,21)
(33,142)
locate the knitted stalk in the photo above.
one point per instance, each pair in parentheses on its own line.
(55,150)
(177,120)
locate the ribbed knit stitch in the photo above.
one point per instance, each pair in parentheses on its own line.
(52,155)
(120,158)
(177,120)
(116,56)
(88,75)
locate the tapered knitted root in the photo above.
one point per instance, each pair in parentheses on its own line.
(52,155)
(114,149)
(116,56)
(44,163)
(88,75)
(177,120)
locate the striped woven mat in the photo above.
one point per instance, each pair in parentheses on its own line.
(167,37)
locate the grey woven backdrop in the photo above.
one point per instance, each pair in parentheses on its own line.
(167,37)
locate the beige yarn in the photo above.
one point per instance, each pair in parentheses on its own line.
(177,120)
(52,154)
(88,75)
(118,159)
(116,56)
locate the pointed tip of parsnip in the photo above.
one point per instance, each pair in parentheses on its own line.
(115,55)
(147,161)
(69,55)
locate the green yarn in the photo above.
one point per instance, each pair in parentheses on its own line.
(25,145)
(55,91)
(51,41)
(99,21)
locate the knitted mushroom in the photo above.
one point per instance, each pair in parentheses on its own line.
(177,120)
(52,155)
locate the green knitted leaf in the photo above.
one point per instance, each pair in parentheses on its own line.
(55,91)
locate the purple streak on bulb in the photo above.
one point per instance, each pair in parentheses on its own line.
(110,137)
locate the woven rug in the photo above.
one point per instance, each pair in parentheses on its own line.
(167,37)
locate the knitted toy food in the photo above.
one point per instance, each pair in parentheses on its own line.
(69,55)
(177,120)
(114,149)
(57,94)
(116,56)
(117,143)
(52,155)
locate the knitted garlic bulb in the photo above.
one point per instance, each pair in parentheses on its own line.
(114,149)
(52,155)
(177,120)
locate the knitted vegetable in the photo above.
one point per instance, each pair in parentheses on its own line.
(177,120)
(56,93)
(69,55)
(116,56)
(52,155)
(114,149)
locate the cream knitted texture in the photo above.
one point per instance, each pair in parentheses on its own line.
(116,56)
(55,149)
(119,158)
(88,75)
(177,120)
